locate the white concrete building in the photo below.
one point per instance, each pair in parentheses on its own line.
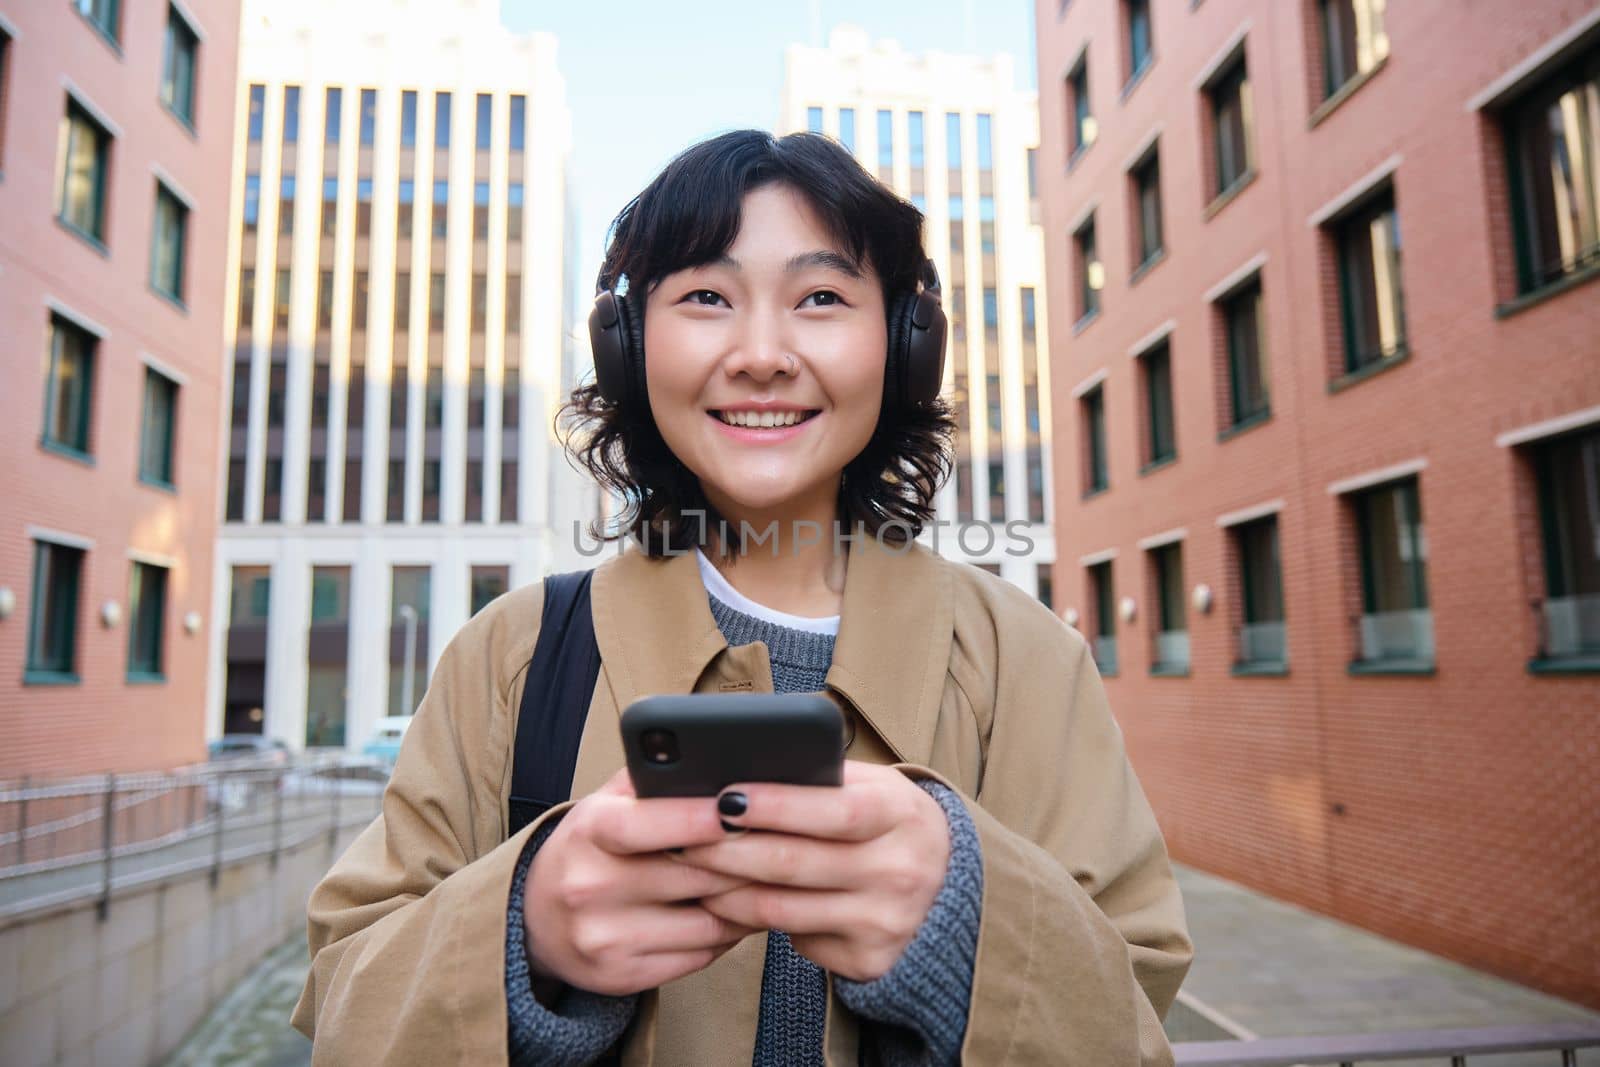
(400,339)
(953,134)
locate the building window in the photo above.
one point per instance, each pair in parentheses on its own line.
(330,206)
(1155,375)
(328,656)
(1396,627)
(324,311)
(291,115)
(847,128)
(485,123)
(69,386)
(519,122)
(258,106)
(53,613)
(280,301)
(252,202)
(441,209)
(1146,177)
(1046,582)
(436,302)
(1247,373)
(1263,644)
(952,144)
(147,611)
(286,205)
(1093,409)
(1171,652)
(86,152)
(408,119)
(480,303)
(5,68)
(480,211)
(914,139)
(814,119)
(986,227)
(159,428)
(1232,120)
(1371,298)
(1091,274)
(368,117)
(1103,601)
(363,207)
(1553,134)
(985,142)
(514,212)
(1141,46)
(409,596)
(885,144)
(1568,470)
(1353,40)
(178,63)
(332,107)
(1081,126)
(441,120)
(171,240)
(488,582)
(102,14)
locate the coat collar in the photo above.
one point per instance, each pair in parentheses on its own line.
(656,634)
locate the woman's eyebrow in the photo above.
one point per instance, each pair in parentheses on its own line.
(823,258)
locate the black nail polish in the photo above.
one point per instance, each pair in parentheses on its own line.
(731,828)
(734,804)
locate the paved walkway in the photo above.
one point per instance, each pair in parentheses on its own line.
(1262,968)
(1268,969)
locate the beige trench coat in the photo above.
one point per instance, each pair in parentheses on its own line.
(940,668)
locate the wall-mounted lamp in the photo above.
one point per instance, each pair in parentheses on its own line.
(191,622)
(1127,609)
(1071,617)
(8,602)
(110,613)
(1201,598)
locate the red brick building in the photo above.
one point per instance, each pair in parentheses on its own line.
(116,131)
(1326,366)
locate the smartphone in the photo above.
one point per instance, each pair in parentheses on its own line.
(699,744)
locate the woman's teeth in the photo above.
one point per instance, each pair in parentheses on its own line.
(761,419)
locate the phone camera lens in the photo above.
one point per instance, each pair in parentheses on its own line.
(660,746)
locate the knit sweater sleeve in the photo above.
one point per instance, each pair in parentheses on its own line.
(917,1011)
(581,1026)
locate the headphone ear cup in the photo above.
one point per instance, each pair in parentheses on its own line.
(894,371)
(616,339)
(923,372)
(631,324)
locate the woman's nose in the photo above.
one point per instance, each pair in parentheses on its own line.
(761,350)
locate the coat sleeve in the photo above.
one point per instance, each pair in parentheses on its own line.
(407,931)
(1082,943)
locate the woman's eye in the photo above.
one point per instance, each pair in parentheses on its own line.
(704,297)
(824,298)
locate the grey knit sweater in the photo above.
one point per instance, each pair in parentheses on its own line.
(914,1014)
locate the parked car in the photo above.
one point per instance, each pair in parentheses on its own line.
(384,745)
(248,746)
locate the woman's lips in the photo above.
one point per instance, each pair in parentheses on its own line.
(762,435)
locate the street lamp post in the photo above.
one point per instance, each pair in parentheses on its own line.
(408,615)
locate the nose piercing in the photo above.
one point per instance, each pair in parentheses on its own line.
(793,365)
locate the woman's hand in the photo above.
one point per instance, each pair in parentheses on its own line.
(849,873)
(606,908)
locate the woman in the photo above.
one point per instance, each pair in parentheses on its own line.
(988,886)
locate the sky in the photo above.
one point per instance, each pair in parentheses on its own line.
(646,79)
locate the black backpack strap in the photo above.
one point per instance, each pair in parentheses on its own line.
(555,699)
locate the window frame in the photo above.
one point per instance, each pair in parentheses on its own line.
(1097,459)
(107,22)
(1145,179)
(1252,611)
(1231,84)
(1103,592)
(1168,609)
(1553,565)
(1137,65)
(146,664)
(165,194)
(1252,290)
(5,92)
(84,449)
(63,610)
(164,478)
(1086,250)
(1158,355)
(1330,88)
(179,25)
(1413,533)
(1080,109)
(1343,230)
(78,116)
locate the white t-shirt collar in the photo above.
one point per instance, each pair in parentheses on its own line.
(718,586)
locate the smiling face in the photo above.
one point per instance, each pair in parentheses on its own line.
(765,368)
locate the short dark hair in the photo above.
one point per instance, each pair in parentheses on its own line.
(689,216)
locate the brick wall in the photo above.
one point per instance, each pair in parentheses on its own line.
(1458,811)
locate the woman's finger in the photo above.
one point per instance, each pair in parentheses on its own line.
(860,811)
(663,880)
(784,859)
(803,911)
(626,826)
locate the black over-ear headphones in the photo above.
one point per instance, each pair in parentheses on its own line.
(913,375)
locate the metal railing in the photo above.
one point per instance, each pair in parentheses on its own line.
(70,838)
(1346,1050)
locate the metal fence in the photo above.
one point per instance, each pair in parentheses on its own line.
(65,839)
(1559,1039)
